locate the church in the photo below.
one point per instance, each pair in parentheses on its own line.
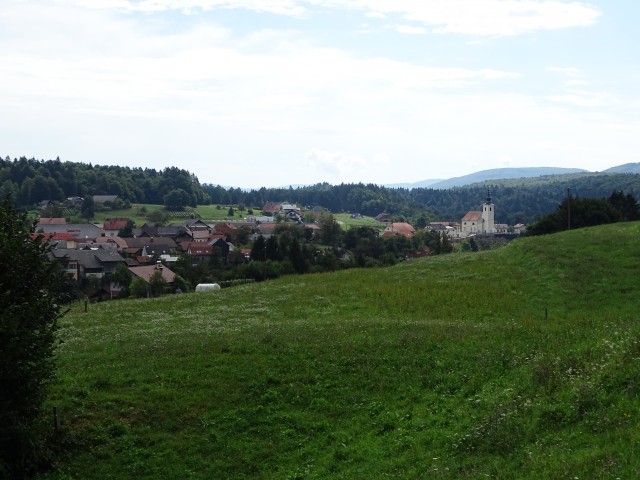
(479,222)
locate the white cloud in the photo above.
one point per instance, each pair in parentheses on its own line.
(341,166)
(410,30)
(484,17)
(117,66)
(470,17)
(336,163)
(567,71)
(280,7)
(575,92)
(581,98)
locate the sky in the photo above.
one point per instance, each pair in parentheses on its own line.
(252,93)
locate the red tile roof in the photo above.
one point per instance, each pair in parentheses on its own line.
(55,236)
(399,228)
(472,216)
(115,223)
(147,271)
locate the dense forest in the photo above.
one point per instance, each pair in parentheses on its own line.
(28,182)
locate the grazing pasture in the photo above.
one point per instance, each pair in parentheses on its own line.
(522,362)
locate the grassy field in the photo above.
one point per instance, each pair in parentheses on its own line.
(206,212)
(135,213)
(521,363)
(221,212)
(212,213)
(348,222)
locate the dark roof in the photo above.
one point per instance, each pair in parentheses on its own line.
(196,223)
(170,231)
(91,259)
(156,249)
(79,230)
(107,255)
(104,198)
(141,242)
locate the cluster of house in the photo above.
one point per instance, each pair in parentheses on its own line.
(95,250)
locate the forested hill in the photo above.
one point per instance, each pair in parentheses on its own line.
(30,181)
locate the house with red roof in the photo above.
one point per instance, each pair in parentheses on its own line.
(224,228)
(113,226)
(271,209)
(399,228)
(147,271)
(200,251)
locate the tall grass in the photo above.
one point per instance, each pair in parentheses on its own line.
(518,363)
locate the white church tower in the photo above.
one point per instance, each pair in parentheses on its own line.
(488,216)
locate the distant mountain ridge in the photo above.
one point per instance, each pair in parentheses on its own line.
(492,174)
(509,174)
(626,168)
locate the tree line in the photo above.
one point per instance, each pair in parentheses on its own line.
(30,181)
(576,212)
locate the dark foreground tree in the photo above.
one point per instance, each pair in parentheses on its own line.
(576,212)
(30,305)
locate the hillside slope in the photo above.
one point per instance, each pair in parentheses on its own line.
(626,168)
(518,363)
(494,174)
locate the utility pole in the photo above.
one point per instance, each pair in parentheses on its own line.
(568,208)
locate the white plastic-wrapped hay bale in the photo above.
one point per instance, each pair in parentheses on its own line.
(207,287)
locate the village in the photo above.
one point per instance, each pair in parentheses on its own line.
(95,251)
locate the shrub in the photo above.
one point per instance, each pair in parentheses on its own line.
(31,302)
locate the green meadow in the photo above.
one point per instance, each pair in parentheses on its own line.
(138,213)
(522,362)
(213,213)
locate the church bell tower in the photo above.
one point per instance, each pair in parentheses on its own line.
(488,211)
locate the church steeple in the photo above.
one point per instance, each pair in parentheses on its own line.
(488,215)
(488,199)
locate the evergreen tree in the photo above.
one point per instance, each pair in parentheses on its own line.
(88,207)
(626,205)
(296,255)
(258,250)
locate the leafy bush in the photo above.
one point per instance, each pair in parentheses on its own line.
(30,305)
